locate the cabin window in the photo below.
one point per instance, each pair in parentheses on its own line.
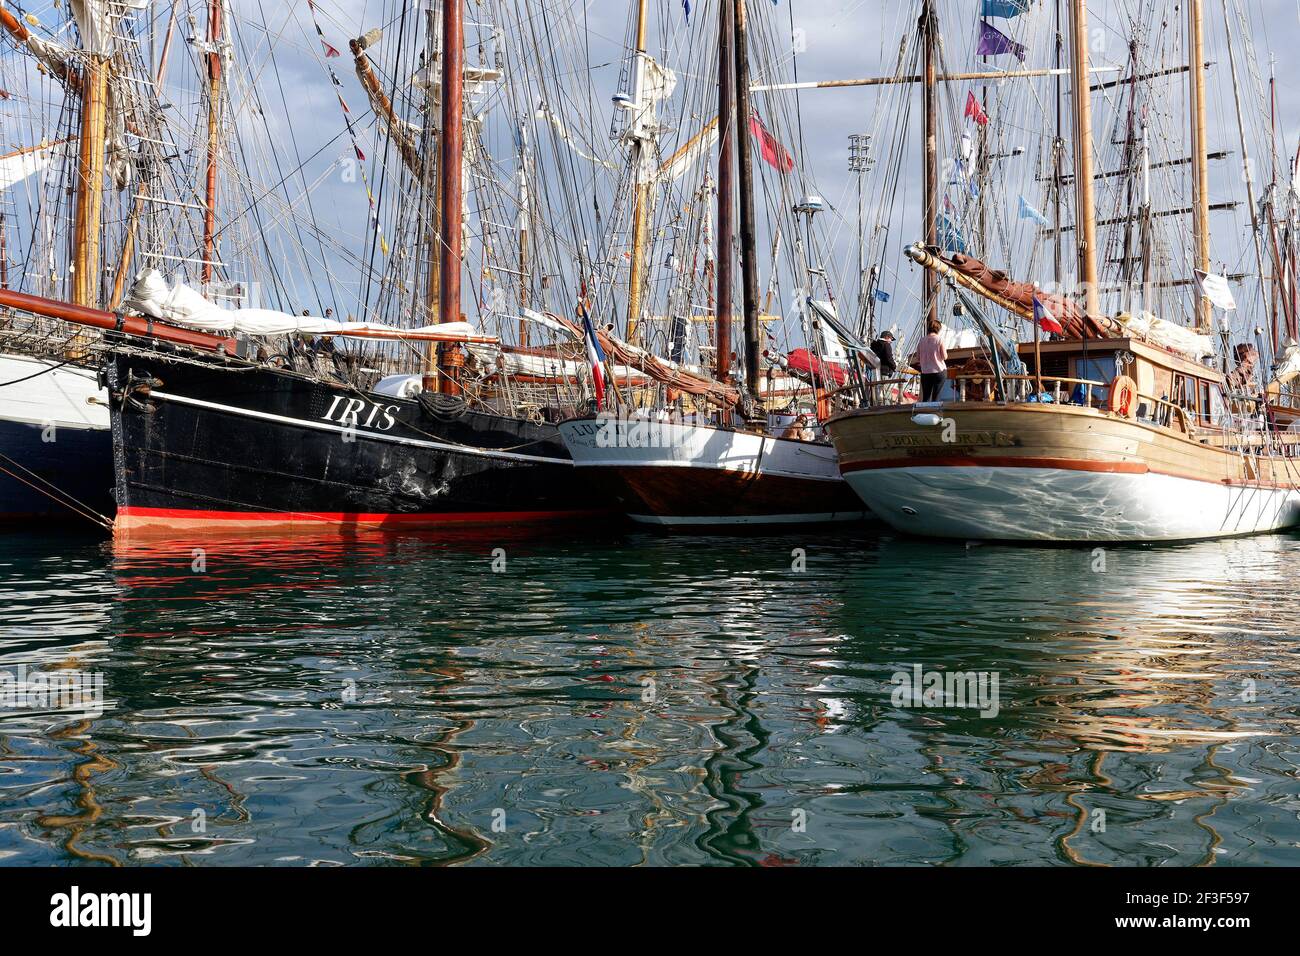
(1217,406)
(1184,392)
(1096,370)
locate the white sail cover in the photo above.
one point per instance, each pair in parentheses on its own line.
(1147,325)
(18,166)
(182,305)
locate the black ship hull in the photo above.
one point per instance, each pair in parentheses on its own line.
(198,445)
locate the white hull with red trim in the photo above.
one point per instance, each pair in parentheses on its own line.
(1068,505)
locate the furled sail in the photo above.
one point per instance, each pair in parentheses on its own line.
(659,81)
(95,21)
(182,305)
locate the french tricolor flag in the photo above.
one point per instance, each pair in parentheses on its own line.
(1046,321)
(596,356)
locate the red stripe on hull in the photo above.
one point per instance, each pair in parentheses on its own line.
(162,521)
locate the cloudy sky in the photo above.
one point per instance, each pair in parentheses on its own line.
(820,40)
(837,39)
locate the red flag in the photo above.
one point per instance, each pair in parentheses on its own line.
(975,111)
(329,50)
(774,154)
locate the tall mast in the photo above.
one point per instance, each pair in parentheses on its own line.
(726,190)
(430,187)
(427,169)
(453,135)
(1058,154)
(641,201)
(1085,200)
(1200,158)
(1245,164)
(930,38)
(215,16)
(90,182)
(748,246)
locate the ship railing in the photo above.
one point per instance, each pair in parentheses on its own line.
(884,392)
(1023,388)
(1164,413)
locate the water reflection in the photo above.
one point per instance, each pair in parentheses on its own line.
(625,699)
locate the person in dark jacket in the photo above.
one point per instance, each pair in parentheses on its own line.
(884,349)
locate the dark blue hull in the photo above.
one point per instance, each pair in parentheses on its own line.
(78,463)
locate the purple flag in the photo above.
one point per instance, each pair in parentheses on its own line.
(994,42)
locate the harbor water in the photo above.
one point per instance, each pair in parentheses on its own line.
(618,698)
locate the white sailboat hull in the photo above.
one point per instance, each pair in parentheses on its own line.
(694,475)
(1065,505)
(65,397)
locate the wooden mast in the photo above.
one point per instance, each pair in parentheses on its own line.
(90,182)
(215,15)
(930,38)
(452,150)
(745,164)
(641,202)
(428,172)
(726,191)
(1085,188)
(1200,159)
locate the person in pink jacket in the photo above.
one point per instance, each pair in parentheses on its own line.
(933,359)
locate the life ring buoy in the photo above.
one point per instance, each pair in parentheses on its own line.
(1123,396)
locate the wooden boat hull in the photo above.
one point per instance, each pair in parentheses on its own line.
(692,476)
(1057,473)
(260,450)
(54,435)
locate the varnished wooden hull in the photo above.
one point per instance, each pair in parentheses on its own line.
(1057,473)
(700,476)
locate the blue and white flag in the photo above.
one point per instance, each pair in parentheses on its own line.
(950,237)
(686,5)
(1029,212)
(1006,9)
(882,295)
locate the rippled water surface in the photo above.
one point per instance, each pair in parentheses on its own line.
(626,698)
